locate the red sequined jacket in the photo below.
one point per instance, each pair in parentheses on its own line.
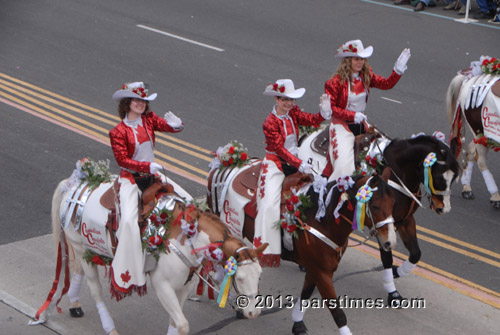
(123,143)
(339,93)
(274,132)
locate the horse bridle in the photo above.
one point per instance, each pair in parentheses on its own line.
(401,187)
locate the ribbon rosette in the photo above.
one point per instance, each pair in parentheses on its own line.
(364,195)
(229,270)
(428,163)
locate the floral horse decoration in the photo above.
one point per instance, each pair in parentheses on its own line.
(179,238)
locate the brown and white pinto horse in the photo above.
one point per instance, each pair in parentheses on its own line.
(405,157)
(467,98)
(172,277)
(321,244)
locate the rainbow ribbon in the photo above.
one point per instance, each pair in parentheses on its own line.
(364,195)
(230,269)
(428,162)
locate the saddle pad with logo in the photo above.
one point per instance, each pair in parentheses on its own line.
(94,220)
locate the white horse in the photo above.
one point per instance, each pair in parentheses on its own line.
(172,278)
(475,99)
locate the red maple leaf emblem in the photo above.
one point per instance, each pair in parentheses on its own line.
(142,135)
(257,241)
(357,86)
(125,277)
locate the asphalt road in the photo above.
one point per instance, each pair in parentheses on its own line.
(84,51)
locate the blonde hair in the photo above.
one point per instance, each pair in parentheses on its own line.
(344,71)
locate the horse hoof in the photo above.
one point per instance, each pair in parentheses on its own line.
(302,268)
(394,299)
(495,204)
(467,195)
(239,315)
(76,312)
(299,328)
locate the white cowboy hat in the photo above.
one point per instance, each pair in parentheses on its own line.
(134,90)
(284,88)
(353,48)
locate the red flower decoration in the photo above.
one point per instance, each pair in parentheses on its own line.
(244,156)
(297,213)
(231,150)
(291,228)
(290,207)
(294,199)
(97,260)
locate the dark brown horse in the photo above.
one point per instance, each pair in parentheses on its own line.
(406,159)
(473,109)
(321,244)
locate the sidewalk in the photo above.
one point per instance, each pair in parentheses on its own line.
(28,271)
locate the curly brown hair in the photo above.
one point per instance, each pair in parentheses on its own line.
(124,107)
(344,71)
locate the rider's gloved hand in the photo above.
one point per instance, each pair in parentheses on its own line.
(173,121)
(359,117)
(400,66)
(305,167)
(325,108)
(154,168)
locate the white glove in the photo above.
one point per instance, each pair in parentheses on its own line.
(325,108)
(305,167)
(359,117)
(172,120)
(154,168)
(400,66)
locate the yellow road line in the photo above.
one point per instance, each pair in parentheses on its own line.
(84,129)
(95,110)
(460,251)
(459,242)
(15,90)
(432,268)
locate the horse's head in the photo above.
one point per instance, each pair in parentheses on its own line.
(247,275)
(379,199)
(425,160)
(439,170)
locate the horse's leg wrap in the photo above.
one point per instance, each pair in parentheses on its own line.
(298,311)
(172,330)
(344,331)
(489,181)
(467,174)
(406,268)
(388,279)
(74,288)
(107,322)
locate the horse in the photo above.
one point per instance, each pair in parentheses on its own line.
(171,277)
(322,240)
(473,98)
(406,158)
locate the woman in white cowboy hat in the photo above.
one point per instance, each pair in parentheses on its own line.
(281,133)
(348,89)
(132,142)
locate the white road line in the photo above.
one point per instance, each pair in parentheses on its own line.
(180,38)
(398,102)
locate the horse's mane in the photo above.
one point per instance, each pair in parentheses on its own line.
(409,150)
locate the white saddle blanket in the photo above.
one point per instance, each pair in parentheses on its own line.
(476,92)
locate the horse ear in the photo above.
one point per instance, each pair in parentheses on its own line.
(386,174)
(261,248)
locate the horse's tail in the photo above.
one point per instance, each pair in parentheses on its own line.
(55,212)
(452,96)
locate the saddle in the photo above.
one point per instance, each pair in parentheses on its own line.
(321,142)
(146,204)
(245,184)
